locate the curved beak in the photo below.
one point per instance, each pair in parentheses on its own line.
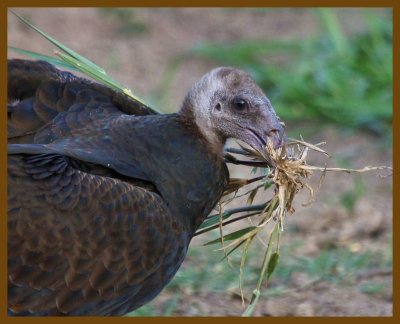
(277,135)
(268,127)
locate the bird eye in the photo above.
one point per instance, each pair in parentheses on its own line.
(239,104)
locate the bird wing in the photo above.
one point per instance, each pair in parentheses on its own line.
(40,95)
(87,231)
(80,243)
(50,111)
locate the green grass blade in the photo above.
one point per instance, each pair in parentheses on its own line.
(273,261)
(43,57)
(232,236)
(242,262)
(94,73)
(264,270)
(61,46)
(251,196)
(232,250)
(99,76)
(213,220)
(73,60)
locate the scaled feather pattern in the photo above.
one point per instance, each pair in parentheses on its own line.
(104,196)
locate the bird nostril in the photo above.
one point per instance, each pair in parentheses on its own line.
(273,133)
(277,136)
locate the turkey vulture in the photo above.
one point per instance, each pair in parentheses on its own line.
(104,195)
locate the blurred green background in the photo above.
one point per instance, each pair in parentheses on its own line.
(331,77)
(328,73)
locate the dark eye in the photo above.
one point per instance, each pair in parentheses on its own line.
(239,104)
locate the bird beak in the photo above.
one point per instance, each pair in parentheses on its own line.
(268,127)
(277,135)
(273,128)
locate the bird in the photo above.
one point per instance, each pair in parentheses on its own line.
(105,195)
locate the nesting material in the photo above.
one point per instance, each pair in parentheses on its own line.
(288,171)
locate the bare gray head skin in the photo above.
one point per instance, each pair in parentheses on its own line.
(227,103)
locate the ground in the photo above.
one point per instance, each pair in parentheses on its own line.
(350,221)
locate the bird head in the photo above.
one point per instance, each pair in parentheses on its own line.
(227,103)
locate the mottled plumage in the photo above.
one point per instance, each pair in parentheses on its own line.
(103,195)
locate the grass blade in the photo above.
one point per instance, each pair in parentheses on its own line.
(242,261)
(273,261)
(93,73)
(61,46)
(43,57)
(265,267)
(232,236)
(213,220)
(73,60)
(232,250)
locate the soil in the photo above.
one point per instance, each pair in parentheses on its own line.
(141,58)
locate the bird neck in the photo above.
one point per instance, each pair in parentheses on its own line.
(200,122)
(187,173)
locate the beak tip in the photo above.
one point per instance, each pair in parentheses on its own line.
(277,137)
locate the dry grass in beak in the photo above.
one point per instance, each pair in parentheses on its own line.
(287,170)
